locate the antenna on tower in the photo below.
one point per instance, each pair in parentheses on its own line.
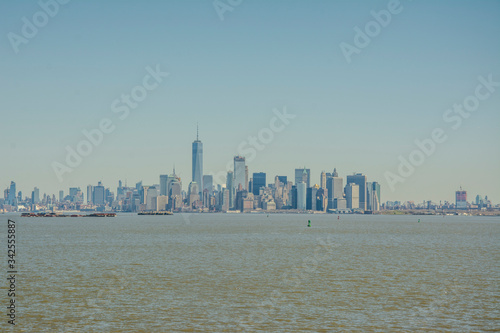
(197,131)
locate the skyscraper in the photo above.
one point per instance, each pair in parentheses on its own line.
(259,180)
(283,180)
(98,195)
(301,196)
(352,195)
(35,196)
(208,183)
(322,180)
(12,194)
(239,172)
(90,194)
(335,188)
(461,199)
(299,176)
(163,184)
(230,187)
(197,163)
(373,195)
(359,179)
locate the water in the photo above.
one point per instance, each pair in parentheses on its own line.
(250,272)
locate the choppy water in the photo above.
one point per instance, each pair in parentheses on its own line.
(227,273)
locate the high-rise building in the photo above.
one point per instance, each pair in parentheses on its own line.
(163,184)
(303,175)
(239,172)
(352,195)
(283,180)
(258,181)
(35,196)
(61,196)
(461,199)
(197,163)
(151,198)
(208,183)
(373,195)
(322,180)
(359,179)
(193,193)
(90,194)
(301,196)
(225,200)
(98,196)
(230,187)
(12,194)
(311,197)
(335,188)
(246,178)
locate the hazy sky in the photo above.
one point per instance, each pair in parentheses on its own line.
(228,75)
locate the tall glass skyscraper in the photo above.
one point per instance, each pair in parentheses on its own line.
(239,173)
(359,179)
(300,175)
(198,163)
(259,180)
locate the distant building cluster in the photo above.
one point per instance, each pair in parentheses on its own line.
(242,192)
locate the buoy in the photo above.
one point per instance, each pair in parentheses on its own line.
(309,223)
(338,217)
(418,220)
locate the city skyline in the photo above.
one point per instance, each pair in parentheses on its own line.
(300,175)
(401,101)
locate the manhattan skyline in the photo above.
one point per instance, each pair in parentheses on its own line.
(229,75)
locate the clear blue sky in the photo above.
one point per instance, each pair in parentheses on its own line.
(229,75)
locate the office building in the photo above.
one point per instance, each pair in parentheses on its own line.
(322,180)
(99,195)
(90,194)
(197,163)
(373,195)
(11,198)
(35,196)
(258,181)
(163,184)
(461,199)
(360,180)
(335,188)
(301,196)
(283,180)
(239,173)
(303,175)
(208,184)
(352,195)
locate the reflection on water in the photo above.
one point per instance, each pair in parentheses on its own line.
(227,273)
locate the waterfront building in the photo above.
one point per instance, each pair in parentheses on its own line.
(352,195)
(197,163)
(360,180)
(258,181)
(301,196)
(239,173)
(303,175)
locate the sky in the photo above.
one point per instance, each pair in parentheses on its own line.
(231,70)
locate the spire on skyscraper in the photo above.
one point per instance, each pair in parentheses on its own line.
(197,132)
